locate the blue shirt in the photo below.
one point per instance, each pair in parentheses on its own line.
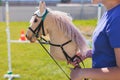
(106,37)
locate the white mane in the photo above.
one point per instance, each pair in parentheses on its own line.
(64,23)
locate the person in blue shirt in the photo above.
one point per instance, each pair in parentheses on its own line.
(105,48)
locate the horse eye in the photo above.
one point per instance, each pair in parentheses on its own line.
(35,20)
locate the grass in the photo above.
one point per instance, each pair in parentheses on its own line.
(86,27)
(29,60)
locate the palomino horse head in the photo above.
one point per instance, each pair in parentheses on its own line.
(36,22)
(61,31)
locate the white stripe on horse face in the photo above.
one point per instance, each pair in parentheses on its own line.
(32,19)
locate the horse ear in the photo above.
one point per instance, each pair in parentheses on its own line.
(42,7)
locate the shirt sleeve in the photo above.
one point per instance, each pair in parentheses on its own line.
(114,33)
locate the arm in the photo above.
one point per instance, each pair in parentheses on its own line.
(112,73)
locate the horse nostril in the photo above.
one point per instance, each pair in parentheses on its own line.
(26,36)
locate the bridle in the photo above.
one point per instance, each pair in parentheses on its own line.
(36,34)
(38,28)
(41,26)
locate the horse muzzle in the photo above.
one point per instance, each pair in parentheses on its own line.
(31,38)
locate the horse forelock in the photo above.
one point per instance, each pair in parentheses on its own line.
(64,23)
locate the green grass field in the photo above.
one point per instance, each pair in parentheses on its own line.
(29,60)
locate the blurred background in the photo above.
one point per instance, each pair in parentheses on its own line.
(21,10)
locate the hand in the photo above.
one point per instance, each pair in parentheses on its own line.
(80,58)
(89,54)
(76,60)
(76,74)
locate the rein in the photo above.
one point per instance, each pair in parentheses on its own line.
(36,34)
(41,43)
(68,58)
